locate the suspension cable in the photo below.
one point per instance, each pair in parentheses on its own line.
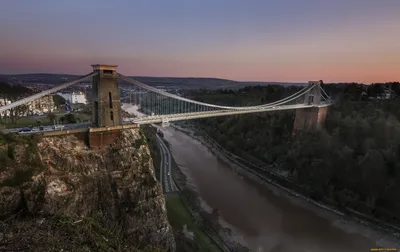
(280,102)
(44,93)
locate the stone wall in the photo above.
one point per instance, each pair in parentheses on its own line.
(310,119)
(101,139)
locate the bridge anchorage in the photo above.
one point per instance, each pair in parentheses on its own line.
(159,107)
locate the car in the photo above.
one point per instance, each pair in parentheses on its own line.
(168,174)
(58,127)
(24,130)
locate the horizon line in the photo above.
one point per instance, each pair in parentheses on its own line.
(187,77)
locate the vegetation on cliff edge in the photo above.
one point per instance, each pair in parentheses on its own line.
(61,233)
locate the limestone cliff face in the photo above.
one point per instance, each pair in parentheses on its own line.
(115,186)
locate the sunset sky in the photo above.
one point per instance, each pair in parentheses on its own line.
(254,40)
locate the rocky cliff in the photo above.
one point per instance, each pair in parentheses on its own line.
(56,193)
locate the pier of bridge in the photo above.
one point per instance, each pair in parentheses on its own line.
(312,118)
(106,110)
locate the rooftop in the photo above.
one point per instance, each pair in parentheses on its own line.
(104,67)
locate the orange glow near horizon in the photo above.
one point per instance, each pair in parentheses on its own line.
(334,42)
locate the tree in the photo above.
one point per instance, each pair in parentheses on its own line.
(58,100)
(354,161)
(70,118)
(14,93)
(52,117)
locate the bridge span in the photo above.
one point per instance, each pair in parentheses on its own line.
(310,102)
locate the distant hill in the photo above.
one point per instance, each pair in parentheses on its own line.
(38,78)
(167,82)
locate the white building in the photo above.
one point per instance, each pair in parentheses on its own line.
(74,97)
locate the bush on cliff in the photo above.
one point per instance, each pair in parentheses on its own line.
(61,233)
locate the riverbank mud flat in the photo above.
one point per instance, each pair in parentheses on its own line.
(266,217)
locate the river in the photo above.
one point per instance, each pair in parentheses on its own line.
(266,219)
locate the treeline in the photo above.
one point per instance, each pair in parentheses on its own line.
(13,93)
(355,91)
(354,162)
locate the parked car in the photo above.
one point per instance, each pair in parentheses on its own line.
(58,127)
(24,130)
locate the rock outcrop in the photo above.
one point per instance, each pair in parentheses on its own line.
(55,178)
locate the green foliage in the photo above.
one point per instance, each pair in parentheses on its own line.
(140,141)
(178,216)
(22,170)
(63,233)
(13,92)
(10,152)
(70,118)
(58,100)
(150,134)
(27,122)
(4,159)
(359,154)
(11,138)
(18,178)
(355,162)
(52,117)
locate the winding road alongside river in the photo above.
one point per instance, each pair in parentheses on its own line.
(167,182)
(266,219)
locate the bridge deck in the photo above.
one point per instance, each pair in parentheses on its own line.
(74,131)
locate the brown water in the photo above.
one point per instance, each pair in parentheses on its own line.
(266,218)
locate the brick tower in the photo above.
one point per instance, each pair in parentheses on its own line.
(105,97)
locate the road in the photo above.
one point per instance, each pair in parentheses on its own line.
(50,128)
(166,179)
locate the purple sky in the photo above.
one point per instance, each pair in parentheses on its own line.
(282,40)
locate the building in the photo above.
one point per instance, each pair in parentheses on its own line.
(74,97)
(78,97)
(41,105)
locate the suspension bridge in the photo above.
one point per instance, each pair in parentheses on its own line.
(158,106)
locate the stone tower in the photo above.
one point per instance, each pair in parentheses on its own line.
(105,97)
(312,118)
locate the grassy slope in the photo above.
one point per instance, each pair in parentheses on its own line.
(26,121)
(42,120)
(178,216)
